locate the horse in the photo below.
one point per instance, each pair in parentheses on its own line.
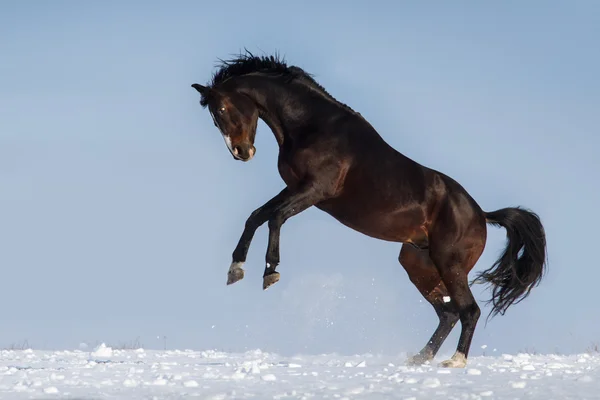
(332,158)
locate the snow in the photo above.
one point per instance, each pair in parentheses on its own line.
(101,351)
(105,373)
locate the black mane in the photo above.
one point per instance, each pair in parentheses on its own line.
(248,63)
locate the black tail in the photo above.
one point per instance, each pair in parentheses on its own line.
(522,264)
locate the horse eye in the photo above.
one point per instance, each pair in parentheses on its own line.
(221,110)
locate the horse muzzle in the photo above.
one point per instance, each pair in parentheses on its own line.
(243,152)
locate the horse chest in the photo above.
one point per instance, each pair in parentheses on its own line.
(290,173)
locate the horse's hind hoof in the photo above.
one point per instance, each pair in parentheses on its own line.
(419,359)
(235,273)
(458,360)
(270,279)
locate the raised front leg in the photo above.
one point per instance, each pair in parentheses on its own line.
(256,219)
(320,183)
(292,203)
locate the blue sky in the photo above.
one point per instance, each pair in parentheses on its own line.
(120,205)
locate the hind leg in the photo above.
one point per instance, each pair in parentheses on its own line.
(425,276)
(454,263)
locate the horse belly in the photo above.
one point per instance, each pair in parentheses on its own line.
(394,225)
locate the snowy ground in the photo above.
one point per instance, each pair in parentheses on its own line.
(146,374)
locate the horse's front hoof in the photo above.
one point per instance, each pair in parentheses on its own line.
(269,280)
(235,273)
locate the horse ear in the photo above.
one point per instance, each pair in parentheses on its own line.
(203,90)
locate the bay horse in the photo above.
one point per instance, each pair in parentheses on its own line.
(330,157)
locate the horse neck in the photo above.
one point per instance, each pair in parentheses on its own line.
(272,96)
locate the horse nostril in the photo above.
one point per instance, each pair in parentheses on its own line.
(242,152)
